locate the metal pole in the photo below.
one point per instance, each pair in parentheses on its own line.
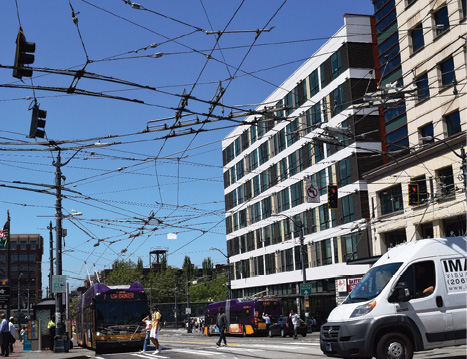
(188,330)
(19,292)
(8,262)
(51,251)
(230,279)
(176,319)
(302,258)
(464,170)
(59,345)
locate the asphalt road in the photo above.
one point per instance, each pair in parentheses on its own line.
(179,344)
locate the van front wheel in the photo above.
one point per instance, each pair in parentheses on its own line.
(394,346)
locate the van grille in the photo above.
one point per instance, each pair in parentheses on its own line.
(330,332)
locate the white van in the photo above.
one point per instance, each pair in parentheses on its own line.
(414,298)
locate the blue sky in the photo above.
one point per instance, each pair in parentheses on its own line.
(140,187)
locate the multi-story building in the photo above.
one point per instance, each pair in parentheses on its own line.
(26,275)
(277,167)
(432,40)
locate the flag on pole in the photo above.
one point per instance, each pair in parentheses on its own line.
(4,234)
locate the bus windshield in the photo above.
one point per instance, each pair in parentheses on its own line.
(120,312)
(372,283)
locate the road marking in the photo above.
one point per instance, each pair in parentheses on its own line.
(195,352)
(148,355)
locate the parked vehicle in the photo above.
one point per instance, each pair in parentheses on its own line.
(414,298)
(283,327)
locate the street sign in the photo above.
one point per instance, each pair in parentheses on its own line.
(305,289)
(312,193)
(59,284)
(188,311)
(4,295)
(4,282)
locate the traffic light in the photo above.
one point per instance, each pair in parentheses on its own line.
(23,56)
(414,194)
(332,196)
(37,122)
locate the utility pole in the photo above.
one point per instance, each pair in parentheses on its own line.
(51,251)
(188,309)
(59,340)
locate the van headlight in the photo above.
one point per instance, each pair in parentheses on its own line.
(363,309)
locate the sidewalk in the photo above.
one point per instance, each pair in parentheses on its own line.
(76,352)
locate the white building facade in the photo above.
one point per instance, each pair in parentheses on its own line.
(277,165)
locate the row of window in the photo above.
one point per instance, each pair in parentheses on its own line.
(447,77)
(391,199)
(321,253)
(452,123)
(311,221)
(322,76)
(23,245)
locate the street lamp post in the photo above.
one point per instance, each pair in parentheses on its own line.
(302,256)
(19,291)
(229,288)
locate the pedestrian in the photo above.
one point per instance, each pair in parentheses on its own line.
(147,329)
(313,324)
(4,335)
(21,333)
(11,327)
(222,325)
(295,322)
(51,328)
(155,327)
(267,320)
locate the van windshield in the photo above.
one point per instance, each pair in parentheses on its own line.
(372,283)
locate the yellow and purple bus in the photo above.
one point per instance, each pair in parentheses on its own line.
(244,316)
(110,318)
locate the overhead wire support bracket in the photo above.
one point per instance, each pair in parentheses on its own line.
(257,31)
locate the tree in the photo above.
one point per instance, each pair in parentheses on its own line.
(123,272)
(207,267)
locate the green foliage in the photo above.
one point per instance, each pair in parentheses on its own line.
(163,286)
(125,272)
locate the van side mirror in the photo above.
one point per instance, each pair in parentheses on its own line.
(401,293)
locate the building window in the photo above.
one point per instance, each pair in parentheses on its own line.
(263,153)
(391,200)
(416,36)
(314,83)
(288,104)
(32,245)
(463,6)
(293,164)
(344,172)
(350,248)
(263,177)
(316,114)
(447,72)
(253,158)
(287,229)
(446,181)
(339,100)
(348,209)
(240,169)
(441,20)
(267,236)
(266,208)
(323,217)
(297,193)
(322,75)
(23,245)
(427,134)
(270,263)
(326,252)
(257,212)
(422,189)
(423,90)
(242,218)
(299,94)
(320,180)
(240,195)
(453,123)
(410,2)
(256,188)
(289,260)
(253,136)
(284,200)
(319,152)
(283,169)
(336,64)
(292,132)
